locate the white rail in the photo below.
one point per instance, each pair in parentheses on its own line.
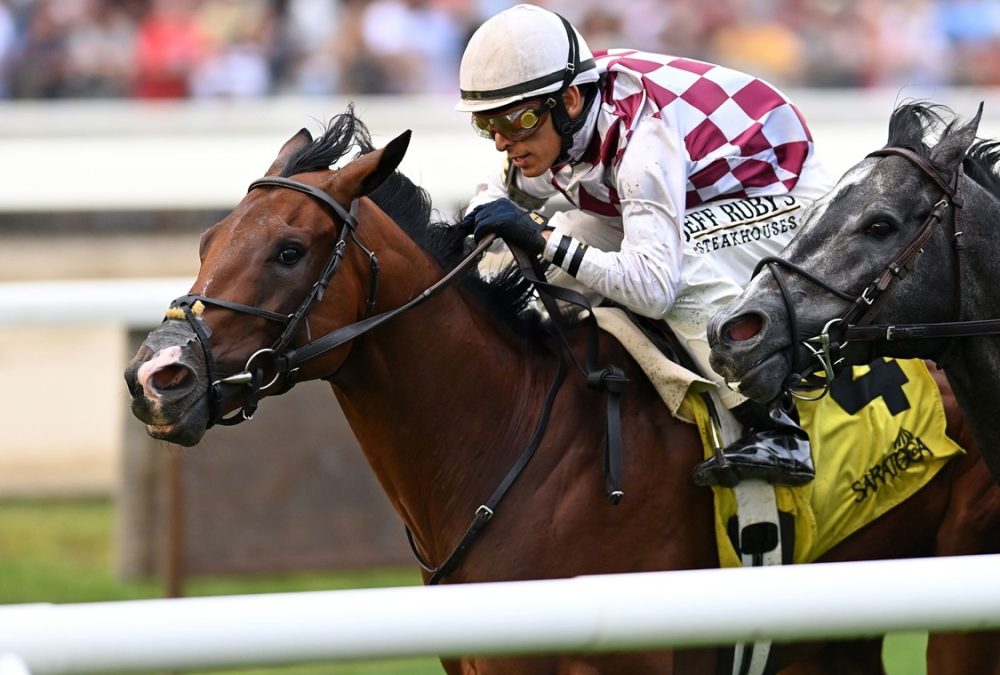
(203,154)
(137,303)
(596,613)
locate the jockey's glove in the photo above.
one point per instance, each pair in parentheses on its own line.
(519,228)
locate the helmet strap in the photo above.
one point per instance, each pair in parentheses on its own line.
(573,57)
(564,125)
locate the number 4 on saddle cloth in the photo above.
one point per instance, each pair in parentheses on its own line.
(876,440)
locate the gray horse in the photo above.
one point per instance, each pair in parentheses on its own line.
(899,259)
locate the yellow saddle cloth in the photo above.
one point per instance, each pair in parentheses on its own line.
(877,438)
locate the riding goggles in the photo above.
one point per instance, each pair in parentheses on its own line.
(515,125)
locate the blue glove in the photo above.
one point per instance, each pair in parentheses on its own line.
(511,223)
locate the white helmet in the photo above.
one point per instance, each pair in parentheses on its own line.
(520,53)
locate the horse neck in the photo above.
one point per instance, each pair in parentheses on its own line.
(979,253)
(430,396)
(973,364)
(973,371)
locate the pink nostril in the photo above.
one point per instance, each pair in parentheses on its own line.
(171,377)
(744,328)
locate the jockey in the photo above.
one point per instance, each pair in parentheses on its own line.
(681,175)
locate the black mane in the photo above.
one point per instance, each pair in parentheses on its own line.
(913,125)
(507,295)
(981,165)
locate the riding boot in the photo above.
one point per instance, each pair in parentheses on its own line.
(775,449)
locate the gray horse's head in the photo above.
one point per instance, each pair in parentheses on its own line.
(876,210)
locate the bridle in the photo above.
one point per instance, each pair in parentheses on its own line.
(281,361)
(285,360)
(855,324)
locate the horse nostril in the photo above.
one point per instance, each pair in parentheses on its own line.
(744,328)
(172,377)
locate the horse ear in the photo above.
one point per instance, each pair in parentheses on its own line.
(949,152)
(291,146)
(369,171)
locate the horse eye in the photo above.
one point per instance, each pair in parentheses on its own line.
(880,229)
(289,255)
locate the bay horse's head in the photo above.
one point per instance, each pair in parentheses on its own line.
(265,268)
(855,259)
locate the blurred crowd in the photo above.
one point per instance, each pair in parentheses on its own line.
(255,48)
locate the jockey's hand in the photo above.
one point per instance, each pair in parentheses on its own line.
(511,223)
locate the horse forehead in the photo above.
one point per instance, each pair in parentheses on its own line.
(803,249)
(864,181)
(859,173)
(233,240)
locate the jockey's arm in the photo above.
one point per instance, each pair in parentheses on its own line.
(528,193)
(644,275)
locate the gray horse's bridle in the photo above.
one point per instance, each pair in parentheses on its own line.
(855,323)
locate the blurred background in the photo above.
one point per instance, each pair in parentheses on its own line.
(127,127)
(58,49)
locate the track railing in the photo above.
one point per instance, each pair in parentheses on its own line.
(595,613)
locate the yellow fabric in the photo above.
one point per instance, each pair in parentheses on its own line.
(866,463)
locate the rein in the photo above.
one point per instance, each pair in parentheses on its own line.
(855,324)
(286,361)
(610,379)
(252,377)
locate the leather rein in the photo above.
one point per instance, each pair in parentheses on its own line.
(284,361)
(855,324)
(281,359)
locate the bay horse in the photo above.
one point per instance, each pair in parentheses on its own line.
(907,239)
(445,397)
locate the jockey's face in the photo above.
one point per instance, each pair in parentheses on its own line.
(537,153)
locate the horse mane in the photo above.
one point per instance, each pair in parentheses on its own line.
(981,165)
(507,295)
(914,125)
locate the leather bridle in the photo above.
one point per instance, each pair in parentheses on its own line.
(284,360)
(855,324)
(280,360)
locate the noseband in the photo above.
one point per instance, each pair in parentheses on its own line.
(855,323)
